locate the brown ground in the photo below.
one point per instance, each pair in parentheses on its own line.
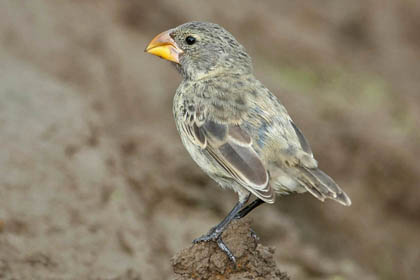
(95,183)
(206,261)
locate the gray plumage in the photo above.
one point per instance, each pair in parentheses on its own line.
(234,128)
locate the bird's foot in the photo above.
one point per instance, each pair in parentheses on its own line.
(254,234)
(212,235)
(216,236)
(225,249)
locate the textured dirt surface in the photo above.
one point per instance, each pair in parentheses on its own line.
(95,183)
(206,261)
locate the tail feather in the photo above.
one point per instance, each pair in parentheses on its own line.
(321,185)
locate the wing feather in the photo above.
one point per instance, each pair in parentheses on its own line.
(231,147)
(302,140)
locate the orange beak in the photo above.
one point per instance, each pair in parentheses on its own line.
(165,47)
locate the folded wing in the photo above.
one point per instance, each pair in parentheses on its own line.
(231,147)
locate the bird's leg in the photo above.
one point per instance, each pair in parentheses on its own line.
(216,232)
(245,211)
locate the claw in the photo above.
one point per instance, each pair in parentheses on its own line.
(225,249)
(214,235)
(254,234)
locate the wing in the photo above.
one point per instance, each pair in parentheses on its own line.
(231,147)
(315,180)
(302,140)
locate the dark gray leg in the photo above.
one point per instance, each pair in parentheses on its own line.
(216,232)
(249,208)
(245,211)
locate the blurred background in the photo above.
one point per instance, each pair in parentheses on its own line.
(94,180)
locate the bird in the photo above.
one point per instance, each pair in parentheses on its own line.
(234,128)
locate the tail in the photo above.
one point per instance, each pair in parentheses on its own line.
(321,185)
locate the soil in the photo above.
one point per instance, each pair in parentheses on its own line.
(206,261)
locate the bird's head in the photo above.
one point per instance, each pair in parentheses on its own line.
(201,49)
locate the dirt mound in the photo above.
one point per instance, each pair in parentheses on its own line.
(206,261)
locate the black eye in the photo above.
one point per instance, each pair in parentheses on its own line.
(190,40)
